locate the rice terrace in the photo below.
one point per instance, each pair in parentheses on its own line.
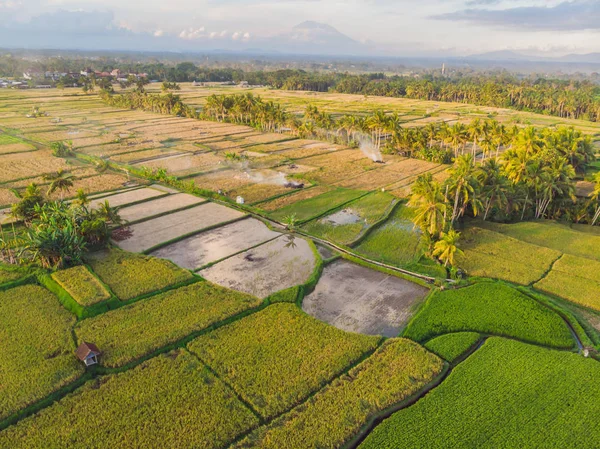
(197,264)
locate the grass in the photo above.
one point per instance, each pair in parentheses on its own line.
(276,358)
(550,234)
(135,330)
(81,285)
(6,139)
(506,395)
(36,349)
(489,308)
(170,401)
(396,242)
(397,370)
(316,206)
(574,278)
(451,347)
(492,254)
(368,210)
(131,275)
(10,274)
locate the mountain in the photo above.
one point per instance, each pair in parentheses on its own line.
(503,55)
(589,58)
(316,38)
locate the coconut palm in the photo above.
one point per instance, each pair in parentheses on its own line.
(430,206)
(463,185)
(60,181)
(446,249)
(595,198)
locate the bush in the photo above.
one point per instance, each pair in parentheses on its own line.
(170,401)
(398,369)
(489,308)
(36,349)
(81,285)
(135,330)
(131,275)
(506,395)
(451,346)
(276,358)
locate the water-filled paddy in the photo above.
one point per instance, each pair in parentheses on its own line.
(359,299)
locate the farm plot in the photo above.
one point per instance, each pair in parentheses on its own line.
(576,279)
(307,208)
(397,370)
(24,165)
(131,275)
(128,197)
(183,165)
(7,197)
(210,246)
(279,264)
(395,242)
(16,148)
(152,233)
(507,394)
(138,329)
(451,347)
(170,401)
(359,299)
(494,255)
(489,308)
(550,234)
(9,273)
(36,349)
(276,358)
(302,194)
(158,206)
(141,156)
(347,225)
(81,285)
(339,165)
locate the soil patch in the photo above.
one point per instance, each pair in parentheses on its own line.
(159,206)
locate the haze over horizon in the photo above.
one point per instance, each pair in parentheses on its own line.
(369,27)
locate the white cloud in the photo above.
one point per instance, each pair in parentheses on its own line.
(235,36)
(192,33)
(159,33)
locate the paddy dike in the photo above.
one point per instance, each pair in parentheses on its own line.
(210,246)
(362,300)
(159,206)
(279,264)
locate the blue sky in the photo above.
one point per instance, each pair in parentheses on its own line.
(390,26)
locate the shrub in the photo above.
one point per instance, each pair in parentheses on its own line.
(277,357)
(398,369)
(131,275)
(132,331)
(451,346)
(36,349)
(489,308)
(506,395)
(81,285)
(170,401)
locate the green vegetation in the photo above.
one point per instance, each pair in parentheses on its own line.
(506,395)
(451,346)
(574,278)
(396,242)
(550,234)
(489,308)
(36,349)
(304,210)
(169,401)
(494,255)
(6,139)
(10,274)
(131,275)
(276,358)
(81,285)
(368,210)
(135,330)
(398,369)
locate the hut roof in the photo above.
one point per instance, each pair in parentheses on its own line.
(86,349)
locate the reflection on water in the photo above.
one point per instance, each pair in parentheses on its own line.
(343,217)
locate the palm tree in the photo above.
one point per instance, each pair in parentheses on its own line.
(60,181)
(494,187)
(457,137)
(446,249)
(476,130)
(428,200)
(529,141)
(464,185)
(596,198)
(81,199)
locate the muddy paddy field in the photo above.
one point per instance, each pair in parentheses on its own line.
(362,300)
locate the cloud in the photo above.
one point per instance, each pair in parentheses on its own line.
(577,15)
(192,33)
(159,33)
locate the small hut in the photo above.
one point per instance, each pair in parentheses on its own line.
(88,353)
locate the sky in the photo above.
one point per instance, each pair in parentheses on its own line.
(391,27)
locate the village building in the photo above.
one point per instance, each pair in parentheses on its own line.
(88,353)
